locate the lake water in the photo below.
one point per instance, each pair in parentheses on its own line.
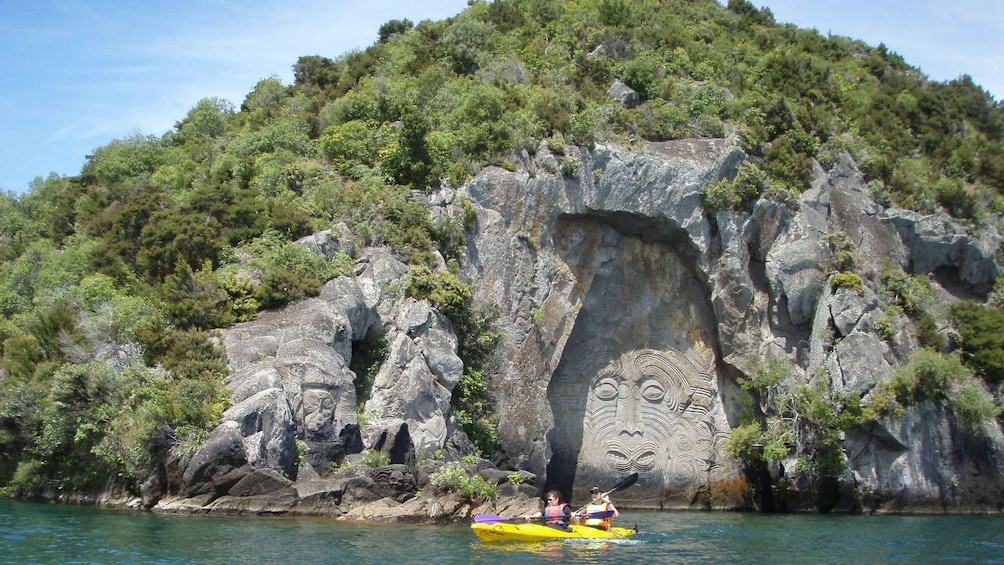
(36,533)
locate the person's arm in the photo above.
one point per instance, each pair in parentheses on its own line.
(610,506)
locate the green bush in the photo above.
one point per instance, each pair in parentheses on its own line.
(736,193)
(469,220)
(885,325)
(973,405)
(368,355)
(912,293)
(927,332)
(848,280)
(453,477)
(981,329)
(375,458)
(282,286)
(933,377)
(28,474)
(349,144)
(788,166)
(841,250)
(745,441)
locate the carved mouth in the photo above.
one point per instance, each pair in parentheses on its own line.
(624,457)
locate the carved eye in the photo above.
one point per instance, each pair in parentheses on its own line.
(652,391)
(605,388)
(619,461)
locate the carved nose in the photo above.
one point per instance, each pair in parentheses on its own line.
(630,423)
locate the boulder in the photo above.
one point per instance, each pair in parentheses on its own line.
(406,387)
(260,482)
(394,481)
(218,464)
(623,94)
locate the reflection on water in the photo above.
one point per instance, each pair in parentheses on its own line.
(33,533)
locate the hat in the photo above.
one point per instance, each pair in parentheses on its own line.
(595,489)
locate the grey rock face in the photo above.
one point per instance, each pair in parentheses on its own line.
(925,463)
(291,374)
(630,311)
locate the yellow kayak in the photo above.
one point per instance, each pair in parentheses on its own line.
(509,531)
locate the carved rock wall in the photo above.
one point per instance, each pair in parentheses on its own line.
(612,363)
(630,312)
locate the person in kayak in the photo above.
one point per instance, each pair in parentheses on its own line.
(555,513)
(600,503)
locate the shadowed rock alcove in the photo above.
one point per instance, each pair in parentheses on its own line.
(636,388)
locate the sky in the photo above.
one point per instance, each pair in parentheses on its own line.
(78,74)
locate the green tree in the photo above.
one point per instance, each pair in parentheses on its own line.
(392,28)
(124,159)
(982,332)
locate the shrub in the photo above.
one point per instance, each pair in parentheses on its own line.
(26,476)
(885,325)
(282,286)
(927,332)
(443,289)
(841,250)
(744,441)
(982,332)
(959,202)
(734,194)
(350,144)
(973,405)
(912,293)
(788,166)
(660,121)
(938,378)
(469,219)
(848,280)
(375,458)
(368,355)
(453,477)
(474,412)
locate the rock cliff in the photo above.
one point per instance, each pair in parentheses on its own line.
(629,315)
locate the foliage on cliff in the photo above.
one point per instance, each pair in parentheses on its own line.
(111,279)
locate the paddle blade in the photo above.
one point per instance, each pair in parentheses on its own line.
(625,483)
(490,519)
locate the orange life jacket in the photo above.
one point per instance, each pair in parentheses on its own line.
(602,523)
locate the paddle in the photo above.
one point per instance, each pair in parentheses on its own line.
(625,483)
(493,518)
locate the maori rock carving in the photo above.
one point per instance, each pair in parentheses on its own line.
(635,390)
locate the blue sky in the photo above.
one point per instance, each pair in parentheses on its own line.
(78,74)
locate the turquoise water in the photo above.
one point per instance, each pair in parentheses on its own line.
(35,533)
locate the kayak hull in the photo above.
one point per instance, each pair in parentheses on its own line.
(509,531)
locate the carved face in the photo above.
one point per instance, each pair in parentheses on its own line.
(626,409)
(635,422)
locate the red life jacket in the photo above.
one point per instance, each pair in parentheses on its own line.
(555,515)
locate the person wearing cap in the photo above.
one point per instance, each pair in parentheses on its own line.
(600,503)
